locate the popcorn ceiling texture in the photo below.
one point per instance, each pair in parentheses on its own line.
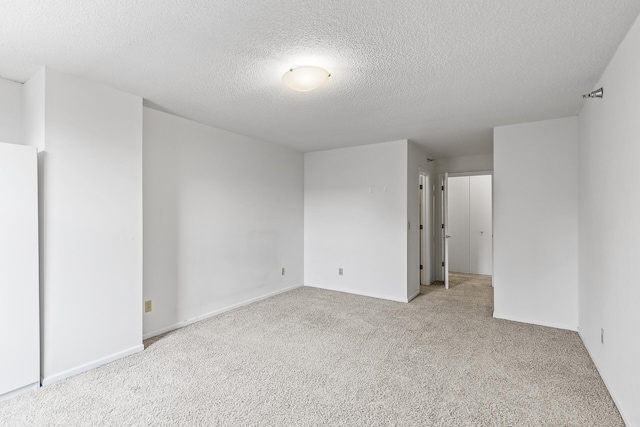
(442,73)
(313,357)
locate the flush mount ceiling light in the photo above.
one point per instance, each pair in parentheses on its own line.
(304,79)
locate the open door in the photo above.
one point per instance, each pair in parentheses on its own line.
(422,226)
(426,229)
(445,229)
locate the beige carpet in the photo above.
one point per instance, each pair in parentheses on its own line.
(315,357)
(456,279)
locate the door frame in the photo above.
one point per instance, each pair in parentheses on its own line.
(438,249)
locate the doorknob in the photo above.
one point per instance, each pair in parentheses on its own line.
(446,236)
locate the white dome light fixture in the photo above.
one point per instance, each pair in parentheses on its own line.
(304,79)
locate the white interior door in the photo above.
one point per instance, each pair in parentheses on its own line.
(458,224)
(423,245)
(481,231)
(426,227)
(445,229)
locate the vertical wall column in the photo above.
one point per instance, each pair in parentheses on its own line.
(536,223)
(90,220)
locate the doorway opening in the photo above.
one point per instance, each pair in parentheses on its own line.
(466,228)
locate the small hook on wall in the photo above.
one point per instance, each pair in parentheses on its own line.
(598,93)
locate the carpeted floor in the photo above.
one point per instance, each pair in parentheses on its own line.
(316,357)
(456,279)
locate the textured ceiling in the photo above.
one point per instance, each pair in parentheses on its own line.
(439,72)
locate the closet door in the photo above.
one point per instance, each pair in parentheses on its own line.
(19,283)
(480,228)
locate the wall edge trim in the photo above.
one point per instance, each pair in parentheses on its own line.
(413,296)
(625,418)
(25,389)
(503,316)
(213,313)
(91,365)
(361,293)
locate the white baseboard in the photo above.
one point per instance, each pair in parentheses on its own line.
(625,418)
(91,365)
(413,296)
(364,294)
(534,322)
(215,312)
(19,391)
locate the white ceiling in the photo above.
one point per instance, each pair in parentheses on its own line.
(439,72)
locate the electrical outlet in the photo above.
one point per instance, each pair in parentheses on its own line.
(283,271)
(602,335)
(147,306)
(340,272)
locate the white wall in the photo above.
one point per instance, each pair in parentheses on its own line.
(19,309)
(461,164)
(610,226)
(223,214)
(536,223)
(10,112)
(355,218)
(91,216)
(33,111)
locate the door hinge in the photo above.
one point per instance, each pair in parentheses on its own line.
(442,225)
(420,226)
(443,188)
(443,263)
(421,266)
(421,186)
